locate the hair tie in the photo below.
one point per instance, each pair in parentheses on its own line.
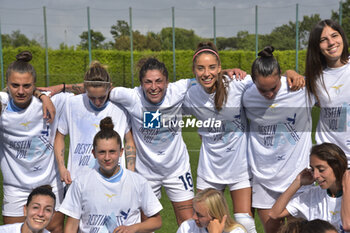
(203,50)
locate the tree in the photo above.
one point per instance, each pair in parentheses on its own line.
(17,39)
(96,40)
(345,16)
(120,29)
(184,39)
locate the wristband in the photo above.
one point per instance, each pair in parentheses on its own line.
(40,96)
(64,88)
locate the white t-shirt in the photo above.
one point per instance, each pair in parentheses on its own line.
(26,148)
(279,139)
(316,204)
(223,154)
(334,123)
(81,122)
(102,205)
(14,228)
(161,152)
(190,226)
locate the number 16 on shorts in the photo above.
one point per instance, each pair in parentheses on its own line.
(187,181)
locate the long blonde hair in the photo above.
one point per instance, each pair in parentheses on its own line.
(217,207)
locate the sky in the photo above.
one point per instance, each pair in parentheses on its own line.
(67,19)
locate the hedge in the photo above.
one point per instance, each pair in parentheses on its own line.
(70,65)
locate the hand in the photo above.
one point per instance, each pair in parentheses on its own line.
(295,80)
(65,175)
(49,110)
(239,74)
(217,227)
(306,177)
(346,179)
(52,89)
(125,229)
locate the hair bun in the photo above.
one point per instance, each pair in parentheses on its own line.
(24,56)
(266,52)
(106,124)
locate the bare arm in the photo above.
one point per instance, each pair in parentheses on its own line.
(73,88)
(345,202)
(72,225)
(130,151)
(59,155)
(295,80)
(279,208)
(49,110)
(149,225)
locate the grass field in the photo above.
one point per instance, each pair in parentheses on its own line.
(193,143)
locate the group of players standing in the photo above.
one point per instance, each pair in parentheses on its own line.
(263,163)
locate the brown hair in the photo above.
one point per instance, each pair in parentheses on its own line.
(315,61)
(21,65)
(97,76)
(266,64)
(220,84)
(107,132)
(334,156)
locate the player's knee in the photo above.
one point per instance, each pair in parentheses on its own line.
(247,221)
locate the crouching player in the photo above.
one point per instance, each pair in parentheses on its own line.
(109,198)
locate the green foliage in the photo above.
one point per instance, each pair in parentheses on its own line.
(96,40)
(120,29)
(17,39)
(345,16)
(69,65)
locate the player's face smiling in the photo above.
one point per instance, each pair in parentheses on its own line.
(331,45)
(38,213)
(97,95)
(21,87)
(323,174)
(154,85)
(268,86)
(107,152)
(206,69)
(201,214)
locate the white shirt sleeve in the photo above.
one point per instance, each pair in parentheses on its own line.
(150,204)
(299,206)
(72,205)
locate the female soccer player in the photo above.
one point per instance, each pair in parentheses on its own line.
(329,200)
(162,156)
(279,135)
(80,119)
(38,212)
(109,198)
(223,158)
(26,146)
(327,71)
(211,215)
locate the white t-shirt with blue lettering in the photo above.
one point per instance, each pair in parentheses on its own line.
(26,148)
(161,152)
(81,122)
(223,154)
(279,138)
(103,204)
(334,123)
